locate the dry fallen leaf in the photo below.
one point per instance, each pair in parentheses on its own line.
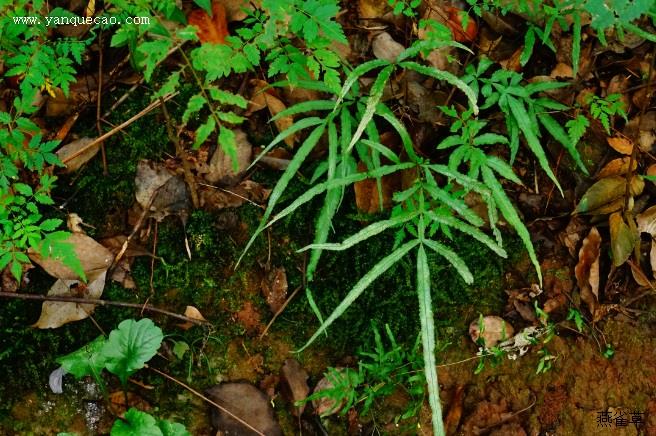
(221,167)
(587,270)
(617,167)
(264,97)
(95,259)
(160,191)
(622,239)
(73,147)
(607,195)
(212,29)
(294,379)
(55,314)
(621,145)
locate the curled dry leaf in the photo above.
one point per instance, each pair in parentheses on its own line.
(491,329)
(622,238)
(384,47)
(621,145)
(212,29)
(646,222)
(587,269)
(455,19)
(73,147)
(55,314)
(295,387)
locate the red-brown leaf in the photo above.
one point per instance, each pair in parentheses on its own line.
(212,29)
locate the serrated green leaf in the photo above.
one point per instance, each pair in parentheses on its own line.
(204,131)
(561,136)
(130,346)
(136,423)
(195,104)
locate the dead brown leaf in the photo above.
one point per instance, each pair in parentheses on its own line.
(55,314)
(294,381)
(622,239)
(249,317)
(72,148)
(95,259)
(212,29)
(221,167)
(621,145)
(587,269)
(607,195)
(617,167)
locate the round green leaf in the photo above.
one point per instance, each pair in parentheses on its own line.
(130,346)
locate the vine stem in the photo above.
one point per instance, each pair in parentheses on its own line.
(94,301)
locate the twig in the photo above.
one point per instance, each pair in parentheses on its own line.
(118,128)
(78,300)
(99,102)
(291,297)
(198,394)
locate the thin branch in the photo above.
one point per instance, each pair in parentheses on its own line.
(78,300)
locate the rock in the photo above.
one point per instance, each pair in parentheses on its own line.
(494,330)
(248,403)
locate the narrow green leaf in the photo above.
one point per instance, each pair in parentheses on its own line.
(354,75)
(296,127)
(453,259)
(306,106)
(385,112)
(529,43)
(502,168)
(382,149)
(428,340)
(335,183)
(510,214)
(294,165)
(375,95)
(364,234)
(524,122)
(561,136)
(204,131)
(469,230)
(378,269)
(576,44)
(447,77)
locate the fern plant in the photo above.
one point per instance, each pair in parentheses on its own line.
(38,65)
(604,109)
